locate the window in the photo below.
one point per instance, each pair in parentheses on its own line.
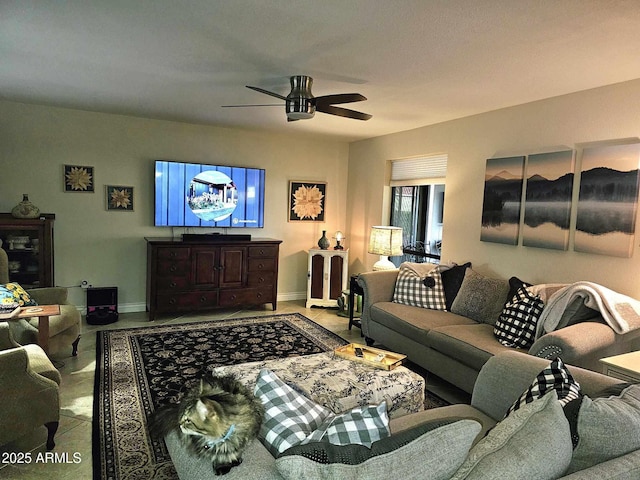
(417,205)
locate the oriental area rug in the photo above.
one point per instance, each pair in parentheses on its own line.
(141,369)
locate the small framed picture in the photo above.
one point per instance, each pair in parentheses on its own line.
(307,201)
(119,198)
(78,178)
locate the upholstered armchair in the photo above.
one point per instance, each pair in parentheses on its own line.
(64,329)
(28,389)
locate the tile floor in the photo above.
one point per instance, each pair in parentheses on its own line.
(73,440)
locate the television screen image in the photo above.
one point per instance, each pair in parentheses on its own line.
(199,195)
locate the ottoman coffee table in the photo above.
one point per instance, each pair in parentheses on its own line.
(340,384)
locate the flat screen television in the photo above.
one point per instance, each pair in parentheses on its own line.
(199,195)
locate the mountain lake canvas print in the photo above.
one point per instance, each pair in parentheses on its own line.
(547,208)
(608,200)
(502,200)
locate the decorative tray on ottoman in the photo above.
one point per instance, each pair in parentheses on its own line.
(374,357)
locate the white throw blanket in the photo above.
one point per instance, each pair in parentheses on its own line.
(621,312)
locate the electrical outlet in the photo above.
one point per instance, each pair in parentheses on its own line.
(85,284)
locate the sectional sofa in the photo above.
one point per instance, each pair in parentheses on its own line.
(538,442)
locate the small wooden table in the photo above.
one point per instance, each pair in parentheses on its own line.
(43,312)
(624,367)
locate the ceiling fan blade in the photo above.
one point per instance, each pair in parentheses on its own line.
(342,112)
(255,105)
(266,92)
(340,98)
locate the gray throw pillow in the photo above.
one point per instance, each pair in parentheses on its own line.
(416,453)
(608,428)
(481,298)
(533,442)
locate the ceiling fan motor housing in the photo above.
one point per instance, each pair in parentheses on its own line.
(300,103)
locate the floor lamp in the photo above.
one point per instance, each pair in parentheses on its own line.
(386,242)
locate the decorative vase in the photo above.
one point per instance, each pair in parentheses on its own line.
(323,243)
(25,209)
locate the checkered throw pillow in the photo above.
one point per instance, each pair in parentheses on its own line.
(361,426)
(417,291)
(555,377)
(290,417)
(516,326)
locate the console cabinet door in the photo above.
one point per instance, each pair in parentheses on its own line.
(233,266)
(205,265)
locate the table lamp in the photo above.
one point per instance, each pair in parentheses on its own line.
(386,242)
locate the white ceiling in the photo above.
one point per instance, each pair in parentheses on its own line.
(418,62)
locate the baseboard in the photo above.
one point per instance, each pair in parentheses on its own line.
(142,307)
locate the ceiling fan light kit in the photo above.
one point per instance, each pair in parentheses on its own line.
(300,104)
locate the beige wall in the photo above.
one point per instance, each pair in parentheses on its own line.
(108,248)
(572,120)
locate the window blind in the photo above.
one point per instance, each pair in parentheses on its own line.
(426,170)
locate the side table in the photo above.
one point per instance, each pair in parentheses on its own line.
(43,312)
(623,367)
(354,289)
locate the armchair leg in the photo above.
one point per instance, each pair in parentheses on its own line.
(52,428)
(75,346)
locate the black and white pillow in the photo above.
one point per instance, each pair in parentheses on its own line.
(516,326)
(555,377)
(420,291)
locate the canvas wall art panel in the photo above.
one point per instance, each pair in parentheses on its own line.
(502,200)
(608,200)
(547,208)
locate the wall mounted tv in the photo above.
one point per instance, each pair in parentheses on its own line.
(198,195)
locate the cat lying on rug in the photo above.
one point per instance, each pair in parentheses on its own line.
(218,420)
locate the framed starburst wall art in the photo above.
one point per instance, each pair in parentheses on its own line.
(78,179)
(119,198)
(307,201)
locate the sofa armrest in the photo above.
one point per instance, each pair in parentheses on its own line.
(583,344)
(6,339)
(507,375)
(49,295)
(377,287)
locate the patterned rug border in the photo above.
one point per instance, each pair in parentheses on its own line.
(128,368)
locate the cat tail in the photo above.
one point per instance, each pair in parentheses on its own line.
(164,420)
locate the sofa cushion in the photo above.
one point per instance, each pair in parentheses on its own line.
(516,326)
(481,298)
(471,345)
(533,443)
(413,322)
(438,448)
(608,428)
(555,377)
(452,281)
(417,289)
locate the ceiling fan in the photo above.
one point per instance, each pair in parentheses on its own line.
(301,104)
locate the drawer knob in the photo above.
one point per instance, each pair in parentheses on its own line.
(203,299)
(173,268)
(172,301)
(259,295)
(172,284)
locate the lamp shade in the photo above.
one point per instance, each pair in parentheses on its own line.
(385,241)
